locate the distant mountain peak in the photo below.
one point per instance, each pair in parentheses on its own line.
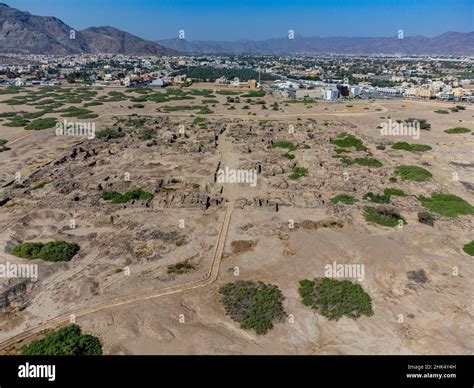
(23,33)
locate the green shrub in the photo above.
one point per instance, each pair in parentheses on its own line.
(347,140)
(442,111)
(336,298)
(40,185)
(147,134)
(298,172)
(284,144)
(51,251)
(447,205)
(135,194)
(413,173)
(383,216)
(469,248)
(344,198)
(80,113)
(401,145)
(17,122)
(457,130)
(199,121)
(227,92)
(254,93)
(180,268)
(67,341)
(395,192)
(377,198)
(368,162)
(253,305)
(204,111)
(422,123)
(39,124)
(108,134)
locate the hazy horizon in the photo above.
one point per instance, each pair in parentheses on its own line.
(243,20)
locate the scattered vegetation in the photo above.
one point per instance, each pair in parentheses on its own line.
(447,205)
(67,341)
(254,93)
(336,298)
(424,125)
(3,144)
(383,216)
(347,140)
(40,185)
(109,134)
(369,162)
(253,305)
(395,192)
(344,198)
(135,194)
(413,173)
(469,248)
(457,130)
(180,268)
(298,172)
(147,134)
(401,145)
(377,198)
(51,251)
(284,144)
(39,124)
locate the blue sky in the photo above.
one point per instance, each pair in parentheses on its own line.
(261,19)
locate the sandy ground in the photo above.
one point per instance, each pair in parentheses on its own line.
(437,317)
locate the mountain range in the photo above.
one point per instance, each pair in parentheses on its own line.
(23,33)
(449,43)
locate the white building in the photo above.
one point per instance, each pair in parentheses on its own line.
(157,83)
(356,90)
(331,94)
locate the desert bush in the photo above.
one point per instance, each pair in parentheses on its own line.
(51,251)
(413,173)
(383,216)
(344,198)
(67,341)
(135,194)
(335,298)
(447,205)
(253,305)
